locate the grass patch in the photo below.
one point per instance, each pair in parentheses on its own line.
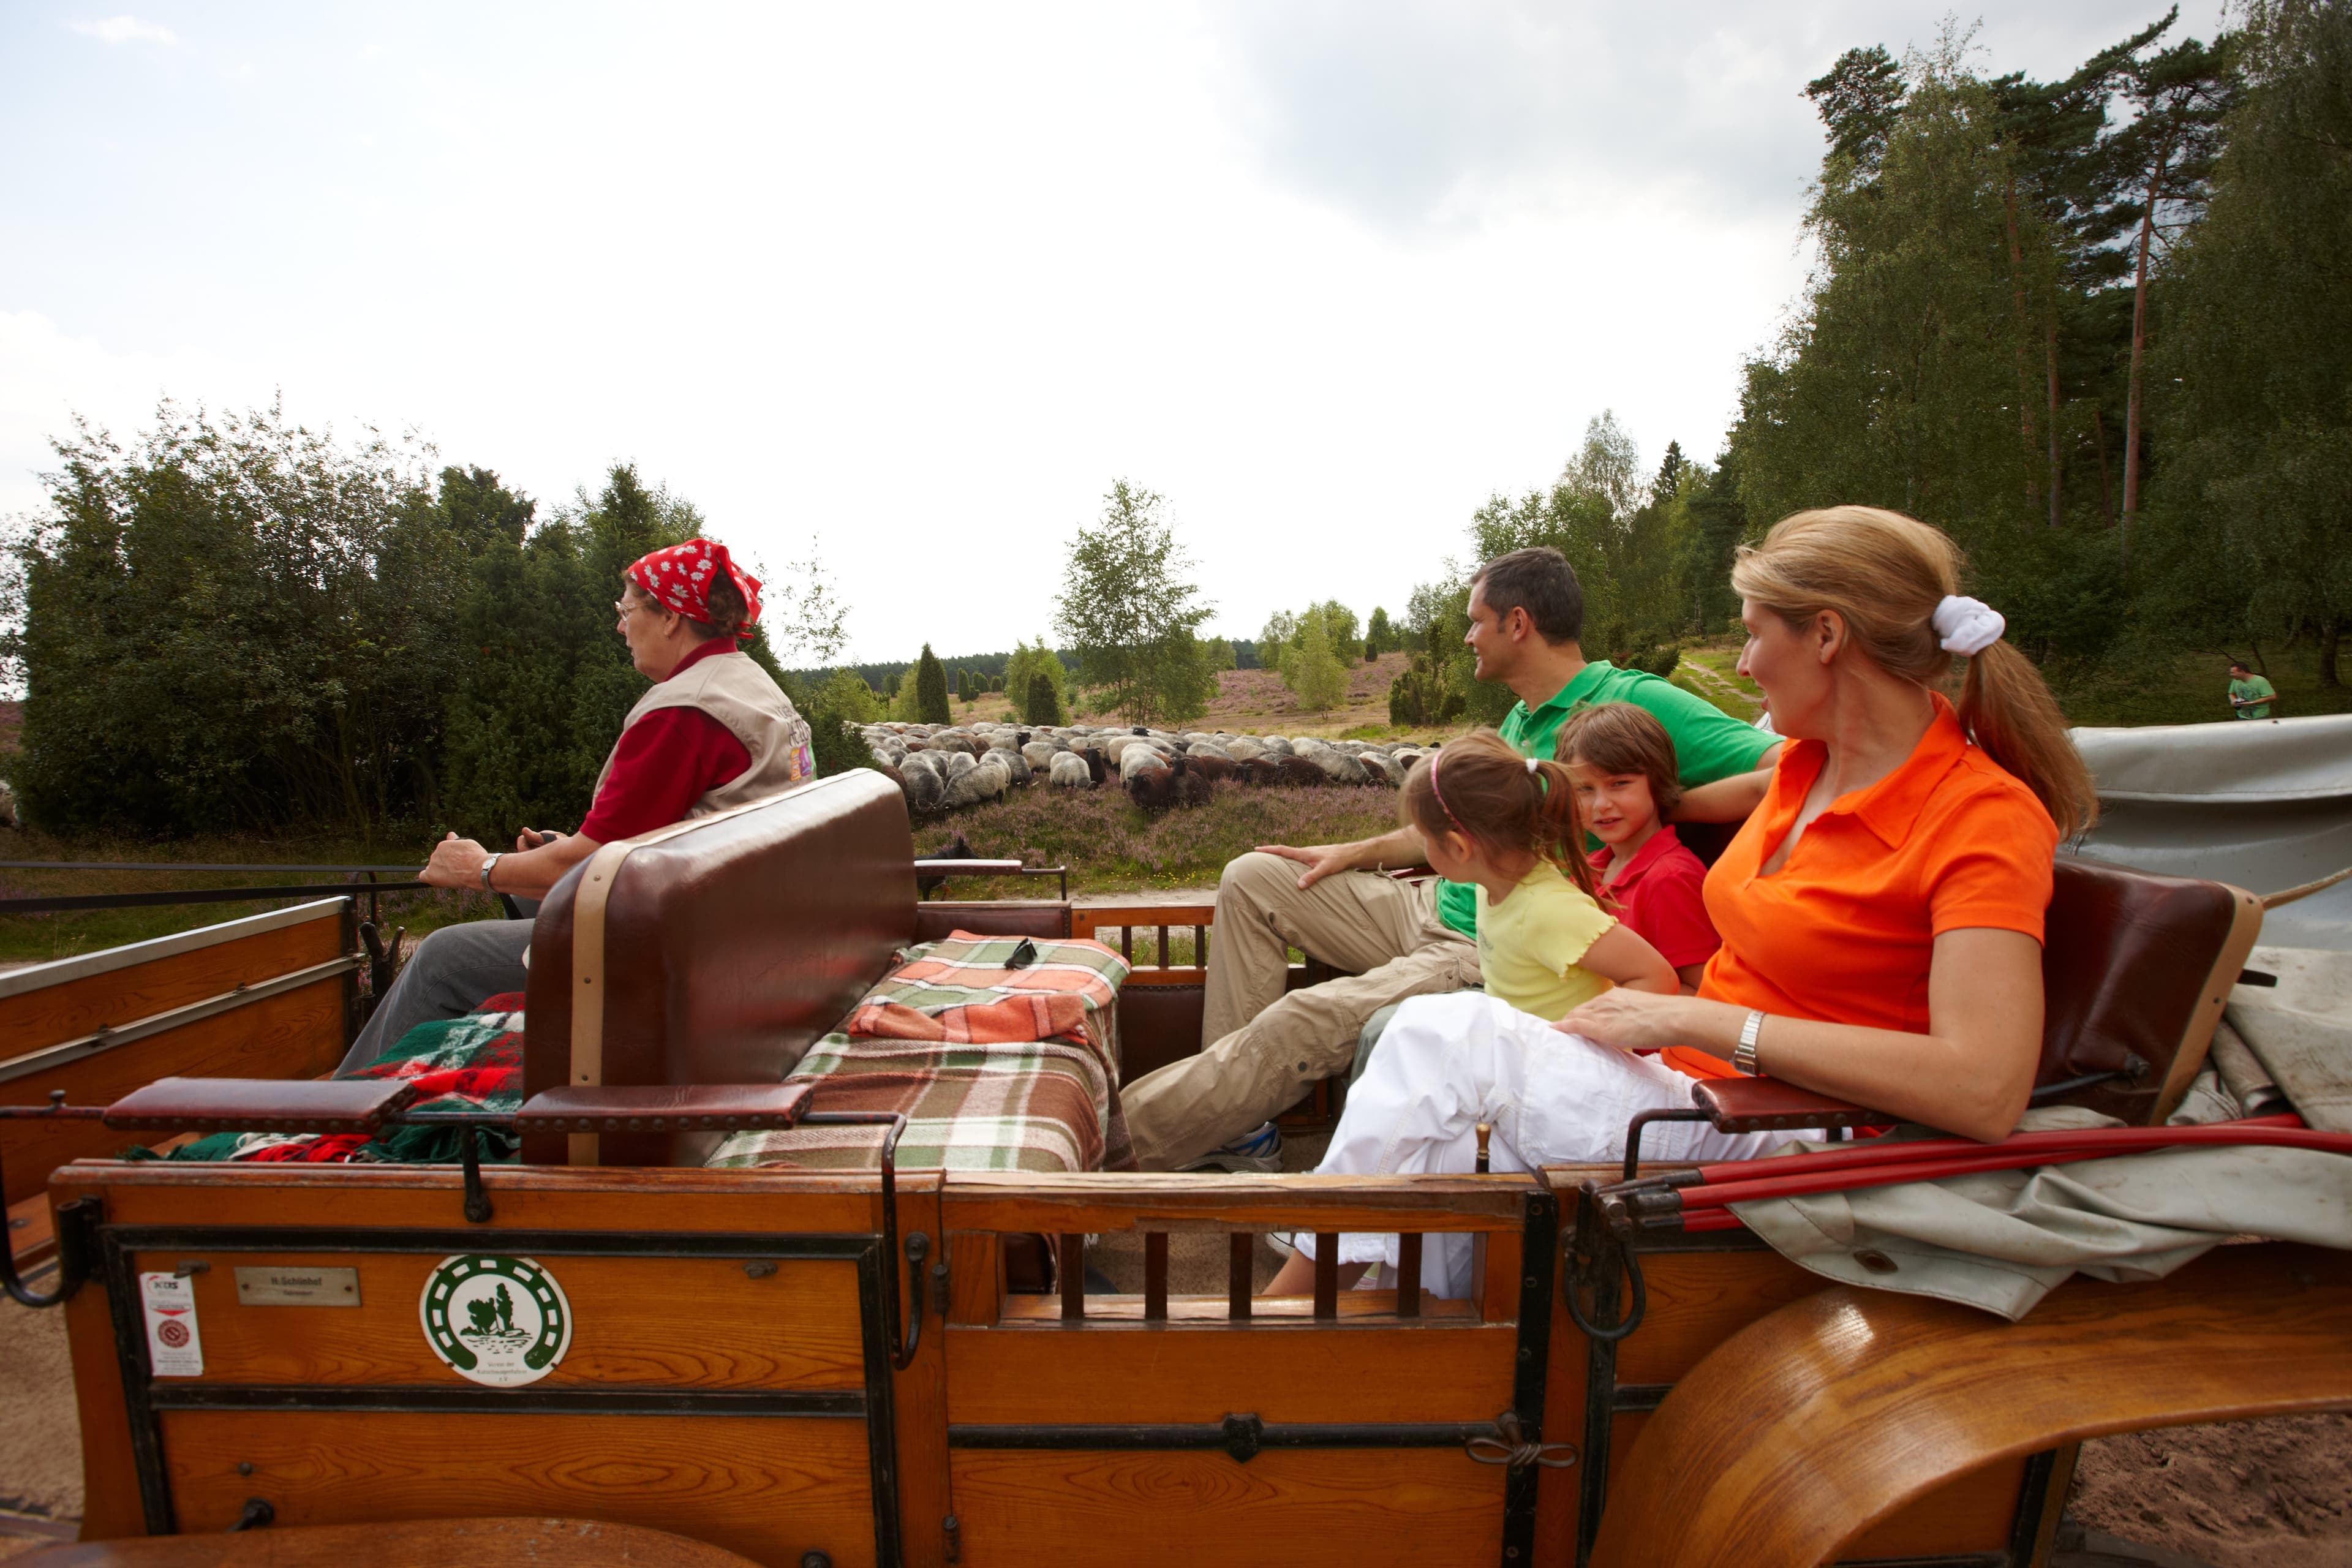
(1110,846)
(1728,702)
(2188,688)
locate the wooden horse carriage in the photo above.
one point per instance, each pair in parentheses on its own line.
(853,1367)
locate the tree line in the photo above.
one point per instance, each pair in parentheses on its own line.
(232,623)
(2098,328)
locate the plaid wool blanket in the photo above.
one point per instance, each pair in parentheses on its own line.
(995,1067)
(473,1063)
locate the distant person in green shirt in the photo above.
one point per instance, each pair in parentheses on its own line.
(1262,1046)
(2250,694)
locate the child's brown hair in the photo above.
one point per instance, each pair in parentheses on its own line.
(1615,738)
(1477,786)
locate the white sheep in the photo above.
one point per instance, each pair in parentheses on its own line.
(982,781)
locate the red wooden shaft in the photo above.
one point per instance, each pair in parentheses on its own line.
(1882,1151)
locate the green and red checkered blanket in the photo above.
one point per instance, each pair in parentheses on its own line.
(473,1063)
(995,1067)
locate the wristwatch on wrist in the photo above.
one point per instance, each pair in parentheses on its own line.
(488,861)
(1743,1056)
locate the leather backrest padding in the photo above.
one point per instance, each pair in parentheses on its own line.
(272,1105)
(2126,962)
(721,1106)
(1041,919)
(728,949)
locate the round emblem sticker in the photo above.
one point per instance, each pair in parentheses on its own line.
(498,1321)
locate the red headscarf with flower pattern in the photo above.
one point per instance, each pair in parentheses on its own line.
(680,577)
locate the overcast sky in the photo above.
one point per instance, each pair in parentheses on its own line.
(919,283)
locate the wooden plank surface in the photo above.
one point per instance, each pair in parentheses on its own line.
(919,1398)
(1301,1508)
(109,1483)
(649,1322)
(770,1489)
(1124,1202)
(1115,1310)
(1180,1373)
(444,1543)
(1809,1427)
(1697,1301)
(1973,1513)
(975,1276)
(634,1200)
(1088,919)
(72,1008)
(296,1034)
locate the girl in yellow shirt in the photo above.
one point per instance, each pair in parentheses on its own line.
(1509,826)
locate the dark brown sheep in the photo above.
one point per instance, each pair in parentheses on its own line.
(1177,782)
(1214,768)
(1272,772)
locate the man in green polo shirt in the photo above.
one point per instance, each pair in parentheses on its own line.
(2250,695)
(1262,1046)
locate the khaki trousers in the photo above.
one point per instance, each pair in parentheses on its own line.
(1265,1046)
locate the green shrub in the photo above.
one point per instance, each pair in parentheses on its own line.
(1042,704)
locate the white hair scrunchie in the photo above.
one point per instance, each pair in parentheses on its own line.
(1966,626)
(1531,765)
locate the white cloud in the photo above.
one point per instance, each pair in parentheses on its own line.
(923,280)
(1420,117)
(125,30)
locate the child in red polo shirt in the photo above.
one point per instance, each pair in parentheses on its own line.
(1623,762)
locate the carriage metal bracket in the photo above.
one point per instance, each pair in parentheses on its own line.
(1522,1425)
(77,1224)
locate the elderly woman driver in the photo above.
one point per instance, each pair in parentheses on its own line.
(714,732)
(1881,910)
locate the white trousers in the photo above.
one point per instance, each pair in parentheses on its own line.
(1448,1063)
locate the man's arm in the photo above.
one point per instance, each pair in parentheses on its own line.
(1725,800)
(1394,851)
(527,873)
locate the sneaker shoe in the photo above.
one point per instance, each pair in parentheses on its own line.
(1260,1149)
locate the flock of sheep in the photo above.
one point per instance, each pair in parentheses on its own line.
(947,767)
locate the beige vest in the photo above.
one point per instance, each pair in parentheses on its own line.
(737,692)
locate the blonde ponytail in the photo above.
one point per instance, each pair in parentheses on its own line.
(1884,574)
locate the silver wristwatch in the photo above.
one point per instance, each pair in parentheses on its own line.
(488,861)
(1743,1056)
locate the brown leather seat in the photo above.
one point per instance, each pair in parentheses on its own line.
(728,945)
(2135,969)
(721,949)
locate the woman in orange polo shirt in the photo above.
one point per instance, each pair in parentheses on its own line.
(1881,910)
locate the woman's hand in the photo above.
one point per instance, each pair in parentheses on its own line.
(456,863)
(1630,1020)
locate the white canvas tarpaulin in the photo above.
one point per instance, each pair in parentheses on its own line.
(2264,804)
(2300,1029)
(2002,1241)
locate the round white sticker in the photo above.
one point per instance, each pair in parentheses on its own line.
(500,1321)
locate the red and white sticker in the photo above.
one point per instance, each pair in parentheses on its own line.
(174,1349)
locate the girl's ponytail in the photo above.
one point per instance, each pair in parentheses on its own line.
(1561,824)
(1477,786)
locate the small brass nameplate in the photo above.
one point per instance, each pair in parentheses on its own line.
(297,1287)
